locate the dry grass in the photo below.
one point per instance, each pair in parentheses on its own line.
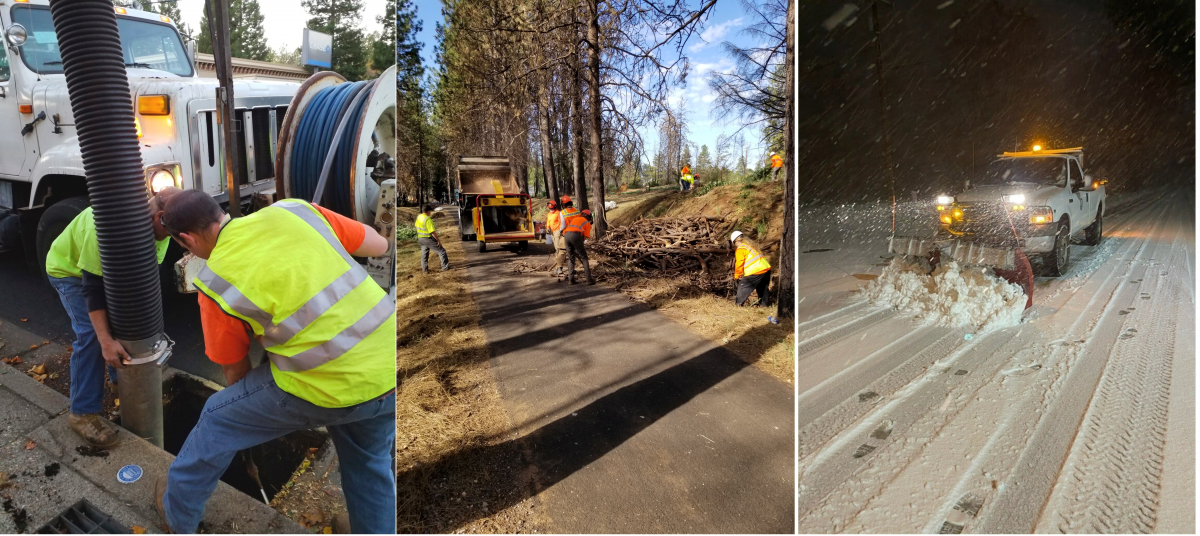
(453,458)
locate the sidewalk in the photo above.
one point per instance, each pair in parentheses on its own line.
(44,470)
(628,421)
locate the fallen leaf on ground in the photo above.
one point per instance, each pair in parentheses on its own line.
(117,402)
(311,517)
(24,319)
(327,530)
(39,377)
(33,347)
(38,369)
(138,529)
(30,444)
(14,360)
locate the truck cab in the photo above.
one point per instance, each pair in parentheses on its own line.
(1038,200)
(42,181)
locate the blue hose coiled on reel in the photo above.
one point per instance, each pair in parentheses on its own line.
(315,136)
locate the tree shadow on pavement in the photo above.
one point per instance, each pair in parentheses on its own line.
(556,450)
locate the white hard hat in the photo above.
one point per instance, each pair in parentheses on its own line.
(733,237)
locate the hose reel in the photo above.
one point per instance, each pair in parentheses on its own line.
(336,147)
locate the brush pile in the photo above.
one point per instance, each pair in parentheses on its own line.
(667,246)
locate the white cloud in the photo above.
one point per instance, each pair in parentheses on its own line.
(714,33)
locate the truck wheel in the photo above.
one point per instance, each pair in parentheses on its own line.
(1095,232)
(523,245)
(482,246)
(463,237)
(54,220)
(1054,264)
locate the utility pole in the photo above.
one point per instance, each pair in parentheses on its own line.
(218,17)
(877,28)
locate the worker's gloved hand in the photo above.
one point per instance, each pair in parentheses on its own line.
(114,354)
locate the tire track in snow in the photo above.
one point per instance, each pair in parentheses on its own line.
(1112,479)
(1037,467)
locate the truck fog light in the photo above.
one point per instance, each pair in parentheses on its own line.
(945,219)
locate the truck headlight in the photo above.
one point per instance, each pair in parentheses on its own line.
(944,200)
(1016,199)
(162,176)
(1041,215)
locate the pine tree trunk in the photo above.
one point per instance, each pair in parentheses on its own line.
(786,299)
(577,127)
(595,170)
(547,149)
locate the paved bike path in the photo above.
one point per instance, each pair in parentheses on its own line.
(630,422)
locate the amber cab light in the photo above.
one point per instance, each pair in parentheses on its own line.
(154,105)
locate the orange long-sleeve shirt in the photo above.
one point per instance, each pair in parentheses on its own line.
(227,338)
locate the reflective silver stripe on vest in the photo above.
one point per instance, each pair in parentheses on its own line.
(233,297)
(276,334)
(315,307)
(315,221)
(339,344)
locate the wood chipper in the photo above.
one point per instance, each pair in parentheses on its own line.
(491,206)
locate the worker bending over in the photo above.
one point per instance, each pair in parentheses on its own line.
(73,266)
(776,165)
(285,276)
(751,270)
(428,239)
(578,227)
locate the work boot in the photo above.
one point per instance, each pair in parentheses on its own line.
(94,429)
(341,523)
(160,489)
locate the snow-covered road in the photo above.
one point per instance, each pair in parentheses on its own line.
(1080,419)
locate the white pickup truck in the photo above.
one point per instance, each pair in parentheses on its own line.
(42,184)
(1040,198)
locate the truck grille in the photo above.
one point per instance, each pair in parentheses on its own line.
(258,126)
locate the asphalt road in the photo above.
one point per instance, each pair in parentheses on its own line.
(628,421)
(25,294)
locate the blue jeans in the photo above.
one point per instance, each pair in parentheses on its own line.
(255,410)
(87,362)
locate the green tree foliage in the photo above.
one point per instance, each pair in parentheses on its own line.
(383,48)
(343,20)
(247,40)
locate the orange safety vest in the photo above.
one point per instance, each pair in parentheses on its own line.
(578,224)
(776,161)
(752,263)
(552,220)
(565,216)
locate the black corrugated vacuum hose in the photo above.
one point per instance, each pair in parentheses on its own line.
(99,89)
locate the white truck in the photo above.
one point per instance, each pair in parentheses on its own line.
(1033,202)
(42,185)
(1041,197)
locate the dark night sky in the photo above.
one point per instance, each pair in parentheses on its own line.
(966,79)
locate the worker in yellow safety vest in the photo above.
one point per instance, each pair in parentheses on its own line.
(685,182)
(751,270)
(285,275)
(428,239)
(776,165)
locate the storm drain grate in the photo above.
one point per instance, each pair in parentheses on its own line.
(83,518)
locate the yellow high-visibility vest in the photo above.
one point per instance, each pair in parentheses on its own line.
(754,262)
(424,225)
(328,329)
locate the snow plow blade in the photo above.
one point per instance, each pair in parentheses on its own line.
(1001,256)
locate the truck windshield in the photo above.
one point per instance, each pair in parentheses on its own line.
(1047,171)
(145,44)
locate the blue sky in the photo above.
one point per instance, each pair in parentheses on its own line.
(705,53)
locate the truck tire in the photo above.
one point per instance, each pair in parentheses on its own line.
(482,246)
(54,220)
(1054,264)
(1094,233)
(463,236)
(523,245)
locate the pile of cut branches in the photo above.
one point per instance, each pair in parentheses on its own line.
(668,246)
